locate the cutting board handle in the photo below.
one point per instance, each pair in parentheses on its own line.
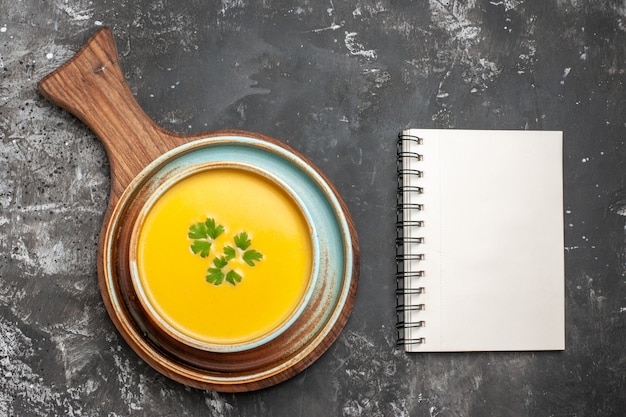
(93,88)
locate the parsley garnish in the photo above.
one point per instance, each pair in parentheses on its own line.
(242,241)
(204,235)
(251,255)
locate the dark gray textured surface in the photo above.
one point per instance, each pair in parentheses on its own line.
(336,80)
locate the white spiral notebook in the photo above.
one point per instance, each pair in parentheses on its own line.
(480,248)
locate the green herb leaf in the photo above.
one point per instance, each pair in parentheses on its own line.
(242,241)
(229,252)
(252,255)
(233,277)
(220,262)
(215,276)
(212,230)
(201,247)
(198,231)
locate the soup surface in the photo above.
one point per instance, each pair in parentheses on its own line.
(224,256)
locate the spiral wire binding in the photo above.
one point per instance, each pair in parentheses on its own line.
(402,275)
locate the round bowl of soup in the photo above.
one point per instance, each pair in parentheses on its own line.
(223,256)
(229,263)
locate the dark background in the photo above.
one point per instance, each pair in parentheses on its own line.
(336,80)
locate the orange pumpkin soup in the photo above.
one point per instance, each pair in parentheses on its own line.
(223,256)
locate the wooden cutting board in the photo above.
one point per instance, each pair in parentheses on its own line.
(92,87)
